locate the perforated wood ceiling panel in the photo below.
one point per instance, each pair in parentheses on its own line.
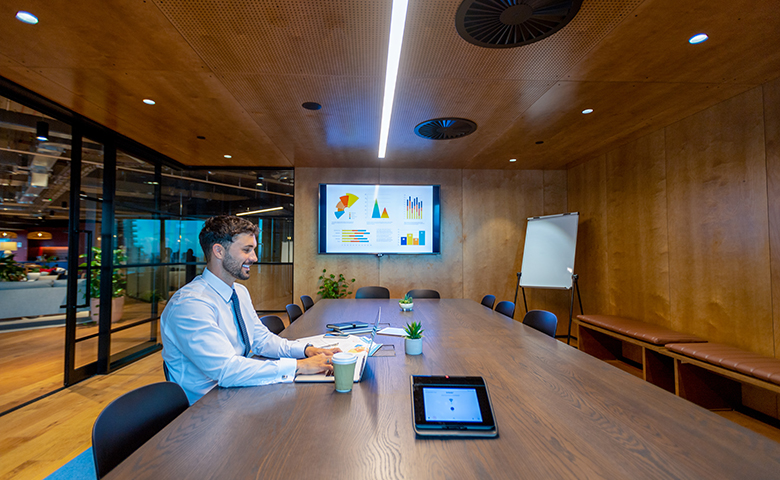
(237,72)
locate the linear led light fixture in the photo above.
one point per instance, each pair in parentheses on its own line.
(397,22)
(260,211)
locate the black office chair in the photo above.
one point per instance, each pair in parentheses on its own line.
(372,292)
(423,293)
(506,308)
(132,419)
(273,323)
(293,311)
(489,301)
(542,320)
(307,302)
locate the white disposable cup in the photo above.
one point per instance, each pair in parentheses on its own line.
(343,370)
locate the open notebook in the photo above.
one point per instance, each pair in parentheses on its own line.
(362,347)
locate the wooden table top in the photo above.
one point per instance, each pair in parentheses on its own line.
(560,414)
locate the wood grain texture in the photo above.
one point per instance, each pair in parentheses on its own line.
(444,272)
(496,207)
(718,232)
(555,301)
(771,92)
(270,286)
(637,231)
(569,414)
(238,72)
(308,264)
(484,217)
(587,195)
(41,437)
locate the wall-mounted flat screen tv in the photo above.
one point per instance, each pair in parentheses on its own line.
(379,219)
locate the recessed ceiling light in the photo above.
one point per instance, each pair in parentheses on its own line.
(149,101)
(228,156)
(512,159)
(26,17)
(701,37)
(397,22)
(587,111)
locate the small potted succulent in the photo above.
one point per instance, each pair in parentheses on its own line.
(413,340)
(406,303)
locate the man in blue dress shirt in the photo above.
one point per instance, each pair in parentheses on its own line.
(210,329)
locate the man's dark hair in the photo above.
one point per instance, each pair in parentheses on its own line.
(222,230)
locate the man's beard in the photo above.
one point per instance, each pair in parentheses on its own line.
(234,267)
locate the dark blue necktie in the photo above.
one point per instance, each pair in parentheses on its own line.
(241,325)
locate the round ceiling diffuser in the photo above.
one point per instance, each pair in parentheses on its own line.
(445,128)
(512,23)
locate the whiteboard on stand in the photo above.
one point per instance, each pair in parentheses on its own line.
(548,256)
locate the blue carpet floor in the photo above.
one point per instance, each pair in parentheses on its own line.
(80,468)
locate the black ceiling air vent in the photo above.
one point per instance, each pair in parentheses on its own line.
(445,128)
(512,23)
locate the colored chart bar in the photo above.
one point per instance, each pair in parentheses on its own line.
(410,239)
(414,208)
(354,236)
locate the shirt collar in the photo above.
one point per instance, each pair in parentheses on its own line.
(222,288)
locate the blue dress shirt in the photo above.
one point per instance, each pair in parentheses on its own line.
(202,346)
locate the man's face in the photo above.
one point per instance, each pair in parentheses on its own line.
(240,256)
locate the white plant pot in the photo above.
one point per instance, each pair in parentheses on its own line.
(117,308)
(406,307)
(413,346)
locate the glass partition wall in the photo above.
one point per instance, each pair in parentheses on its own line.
(56,227)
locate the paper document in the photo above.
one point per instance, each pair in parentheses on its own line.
(394,331)
(351,344)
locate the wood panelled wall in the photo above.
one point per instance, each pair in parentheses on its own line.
(484,216)
(681,228)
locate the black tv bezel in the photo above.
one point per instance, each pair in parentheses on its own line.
(322,214)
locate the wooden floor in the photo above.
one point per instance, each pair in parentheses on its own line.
(32,361)
(41,437)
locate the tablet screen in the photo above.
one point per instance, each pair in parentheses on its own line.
(444,405)
(451,405)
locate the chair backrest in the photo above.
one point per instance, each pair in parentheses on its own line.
(489,301)
(273,323)
(293,311)
(372,292)
(423,293)
(506,308)
(542,320)
(132,419)
(307,302)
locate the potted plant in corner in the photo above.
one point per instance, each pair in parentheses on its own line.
(413,339)
(118,284)
(333,286)
(406,303)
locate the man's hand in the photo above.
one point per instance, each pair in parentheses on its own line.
(316,364)
(312,351)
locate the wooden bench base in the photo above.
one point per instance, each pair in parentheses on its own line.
(707,385)
(655,366)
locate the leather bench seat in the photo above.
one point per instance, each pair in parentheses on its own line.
(732,358)
(646,332)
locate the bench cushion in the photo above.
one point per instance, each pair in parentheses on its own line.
(732,358)
(647,332)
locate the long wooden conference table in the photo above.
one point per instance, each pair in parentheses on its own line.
(560,414)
